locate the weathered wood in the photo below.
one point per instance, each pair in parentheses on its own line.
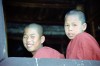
(3,44)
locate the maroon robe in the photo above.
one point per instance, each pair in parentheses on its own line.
(47,52)
(83,47)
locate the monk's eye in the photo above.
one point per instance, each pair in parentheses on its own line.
(24,36)
(66,25)
(74,24)
(32,36)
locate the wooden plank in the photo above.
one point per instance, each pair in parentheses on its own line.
(16,61)
(3,44)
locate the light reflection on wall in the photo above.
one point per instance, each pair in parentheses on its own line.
(48,30)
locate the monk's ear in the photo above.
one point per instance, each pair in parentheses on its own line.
(42,39)
(84,26)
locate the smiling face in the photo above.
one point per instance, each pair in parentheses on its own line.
(32,40)
(73,26)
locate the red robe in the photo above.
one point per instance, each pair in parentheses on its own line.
(83,47)
(47,52)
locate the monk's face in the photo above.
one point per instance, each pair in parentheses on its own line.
(73,26)
(31,39)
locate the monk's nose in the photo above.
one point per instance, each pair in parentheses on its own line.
(70,28)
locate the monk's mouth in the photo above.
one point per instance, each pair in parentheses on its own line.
(29,45)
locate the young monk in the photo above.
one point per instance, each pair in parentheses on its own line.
(82,45)
(33,39)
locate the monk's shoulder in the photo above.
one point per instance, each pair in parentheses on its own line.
(47,49)
(84,36)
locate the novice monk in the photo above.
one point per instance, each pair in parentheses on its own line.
(33,39)
(82,45)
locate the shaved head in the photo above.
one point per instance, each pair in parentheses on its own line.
(37,27)
(33,37)
(77,13)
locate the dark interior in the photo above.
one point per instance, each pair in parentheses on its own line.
(50,14)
